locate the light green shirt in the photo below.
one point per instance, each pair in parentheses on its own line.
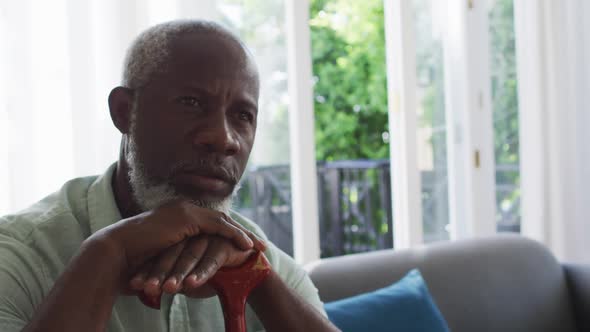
(36,245)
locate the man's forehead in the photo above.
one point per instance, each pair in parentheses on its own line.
(211,60)
(210,49)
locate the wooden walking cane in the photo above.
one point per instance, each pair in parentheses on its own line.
(233,285)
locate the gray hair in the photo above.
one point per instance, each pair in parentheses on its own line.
(148,53)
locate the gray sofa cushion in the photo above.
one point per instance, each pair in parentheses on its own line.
(501,283)
(578,280)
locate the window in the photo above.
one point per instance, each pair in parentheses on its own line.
(265,196)
(351,125)
(505,110)
(431,123)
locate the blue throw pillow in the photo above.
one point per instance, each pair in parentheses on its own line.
(405,306)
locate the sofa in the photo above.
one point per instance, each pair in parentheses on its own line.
(500,283)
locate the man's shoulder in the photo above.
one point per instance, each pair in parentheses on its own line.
(52,215)
(292,273)
(36,244)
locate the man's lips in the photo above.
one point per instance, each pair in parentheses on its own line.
(207,181)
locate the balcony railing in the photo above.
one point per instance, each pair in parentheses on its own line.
(355,204)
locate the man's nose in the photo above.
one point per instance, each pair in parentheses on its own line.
(216,135)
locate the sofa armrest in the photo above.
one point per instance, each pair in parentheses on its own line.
(578,280)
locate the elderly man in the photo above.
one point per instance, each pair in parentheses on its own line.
(158,220)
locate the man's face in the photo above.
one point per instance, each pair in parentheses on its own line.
(194,125)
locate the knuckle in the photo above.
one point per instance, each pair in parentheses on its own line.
(214,265)
(200,273)
(220,219)
(210,265)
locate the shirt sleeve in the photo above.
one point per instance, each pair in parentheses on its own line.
(290,272)
(297,279)
(20,284)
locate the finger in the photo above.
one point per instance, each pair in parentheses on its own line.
(259,244)
(218,225)
(138,280)
(186,262)
(213,259)
(164,263)
(195,220)
(135,284)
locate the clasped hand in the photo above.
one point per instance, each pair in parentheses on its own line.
(187,266)
(176,248)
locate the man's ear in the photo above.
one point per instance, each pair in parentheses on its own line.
(120,106)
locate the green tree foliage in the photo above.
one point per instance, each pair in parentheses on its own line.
(350,91)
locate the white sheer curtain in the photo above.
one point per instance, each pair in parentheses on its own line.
(58,61)
(553,54)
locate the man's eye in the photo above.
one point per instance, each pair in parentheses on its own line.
(246,116)
(190,101)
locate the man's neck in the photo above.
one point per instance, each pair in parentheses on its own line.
(122,190)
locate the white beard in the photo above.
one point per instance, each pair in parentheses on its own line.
(150,194)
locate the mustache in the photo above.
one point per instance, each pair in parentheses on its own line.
(225,171)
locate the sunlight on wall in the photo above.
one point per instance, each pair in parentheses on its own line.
(51,128)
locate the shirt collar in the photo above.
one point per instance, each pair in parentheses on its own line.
(102,207)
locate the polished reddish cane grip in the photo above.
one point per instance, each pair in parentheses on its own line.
(234,284)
